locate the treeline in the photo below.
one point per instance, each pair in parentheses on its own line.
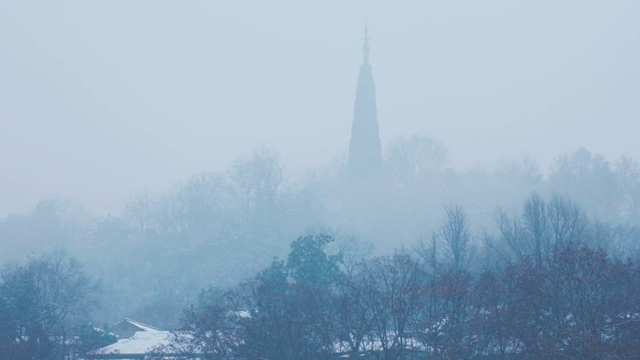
(45,307)
(542,287)
(221,228)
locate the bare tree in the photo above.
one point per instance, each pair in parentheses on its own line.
(256,179)
(523,171)
(627,172)
(456,236)
(588,178)
(536,223)
(391,295)
(46,298)
(511,234)
(351,251)
(140,211)
(410,158)
(569,223)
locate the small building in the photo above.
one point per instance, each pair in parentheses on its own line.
(135,341)
(127,328)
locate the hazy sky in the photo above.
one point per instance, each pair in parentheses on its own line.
(100,99)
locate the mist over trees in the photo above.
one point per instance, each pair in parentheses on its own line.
(44,307)
(451,249)
(399,223)
(571,301)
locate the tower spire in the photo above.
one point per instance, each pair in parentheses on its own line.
(365,45)
(365,152)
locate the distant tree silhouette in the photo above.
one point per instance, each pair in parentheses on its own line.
(43,300)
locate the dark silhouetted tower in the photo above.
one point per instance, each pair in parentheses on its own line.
(365,152)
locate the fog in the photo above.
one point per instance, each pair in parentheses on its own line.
(184,163)
(101,100)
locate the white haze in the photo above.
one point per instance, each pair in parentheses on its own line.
(100,99)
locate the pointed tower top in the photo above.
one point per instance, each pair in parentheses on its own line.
(365,151)
(365,46)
